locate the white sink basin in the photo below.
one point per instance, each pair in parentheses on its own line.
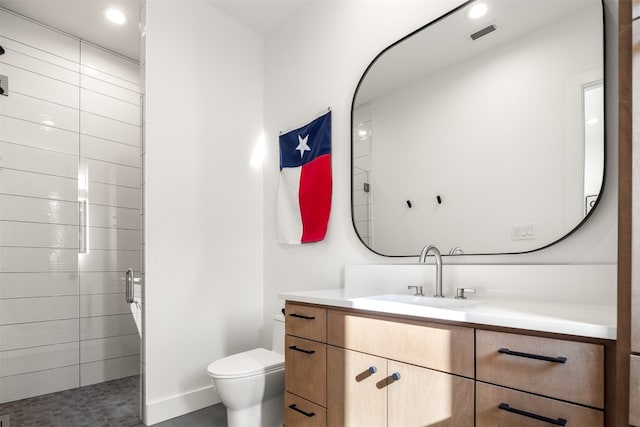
(426,301)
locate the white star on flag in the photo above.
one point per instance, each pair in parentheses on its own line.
(302,145)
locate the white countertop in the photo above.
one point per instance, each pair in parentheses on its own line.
(571,319)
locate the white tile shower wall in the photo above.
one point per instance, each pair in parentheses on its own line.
(64,323)
(39,298)
(361,147)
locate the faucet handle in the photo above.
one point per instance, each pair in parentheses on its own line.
(418,292)
(460,292)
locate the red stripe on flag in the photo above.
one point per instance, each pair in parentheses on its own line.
(315,198)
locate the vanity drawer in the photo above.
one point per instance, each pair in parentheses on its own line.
(566,370)
(306,369)
(490,399)
(299,412)
(441,347)
(305,321)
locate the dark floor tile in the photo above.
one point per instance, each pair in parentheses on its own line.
(212,416)
(109,404)
(92,406)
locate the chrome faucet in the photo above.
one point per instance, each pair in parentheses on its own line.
(418,292)
(423,260)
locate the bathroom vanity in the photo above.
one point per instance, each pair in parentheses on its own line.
(349,366)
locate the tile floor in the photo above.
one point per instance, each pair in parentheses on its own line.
(213,416)
(109,404)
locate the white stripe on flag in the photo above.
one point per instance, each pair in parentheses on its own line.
(288,202)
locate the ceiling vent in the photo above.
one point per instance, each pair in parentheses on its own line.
(483,32)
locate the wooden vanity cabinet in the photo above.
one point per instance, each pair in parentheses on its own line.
(526,380)
(350,369)
(503,407)
(566,370)
(355,392)
(305,372)
(300,412)
(362,391)
(396,373)
(425,397)
(442,347)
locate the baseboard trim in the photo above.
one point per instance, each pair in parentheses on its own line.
(165,409)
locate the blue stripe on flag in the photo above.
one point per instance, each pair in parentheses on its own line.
(301,146)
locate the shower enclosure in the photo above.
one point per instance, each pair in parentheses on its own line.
(70,213)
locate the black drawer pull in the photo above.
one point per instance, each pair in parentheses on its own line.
(308,414)
(558,359)
(302,350)
(302,316)
(556,422)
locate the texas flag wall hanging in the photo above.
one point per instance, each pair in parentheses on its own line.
(304,190)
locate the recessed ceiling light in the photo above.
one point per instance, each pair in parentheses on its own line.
(115,16)
(477,11)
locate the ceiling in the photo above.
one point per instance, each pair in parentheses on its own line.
(84,18)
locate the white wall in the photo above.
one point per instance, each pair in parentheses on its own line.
(315,60)
(203,203)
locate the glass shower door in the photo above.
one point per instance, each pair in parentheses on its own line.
(110,203)
(70,226)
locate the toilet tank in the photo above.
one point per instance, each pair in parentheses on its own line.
(277,340)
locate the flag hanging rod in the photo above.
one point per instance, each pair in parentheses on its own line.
(325,111)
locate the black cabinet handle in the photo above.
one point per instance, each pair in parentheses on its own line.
(302,350)
(295,408)
(302,316)
(559,359)
(555,422)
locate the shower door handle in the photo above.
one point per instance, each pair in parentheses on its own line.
(82,222)
(128,284)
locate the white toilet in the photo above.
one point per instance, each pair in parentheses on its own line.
(251,384)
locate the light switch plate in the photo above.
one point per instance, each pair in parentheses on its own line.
(523,232)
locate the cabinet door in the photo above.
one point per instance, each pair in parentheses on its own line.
(423,397)
(355,396)
(442,347)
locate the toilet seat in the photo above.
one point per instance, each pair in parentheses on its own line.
(246,364)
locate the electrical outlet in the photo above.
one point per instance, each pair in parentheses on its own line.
(523,232)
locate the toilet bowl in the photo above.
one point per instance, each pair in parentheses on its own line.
(251,384)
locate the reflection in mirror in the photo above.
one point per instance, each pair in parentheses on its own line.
(486,134)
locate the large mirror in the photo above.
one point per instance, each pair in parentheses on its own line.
(483,132)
